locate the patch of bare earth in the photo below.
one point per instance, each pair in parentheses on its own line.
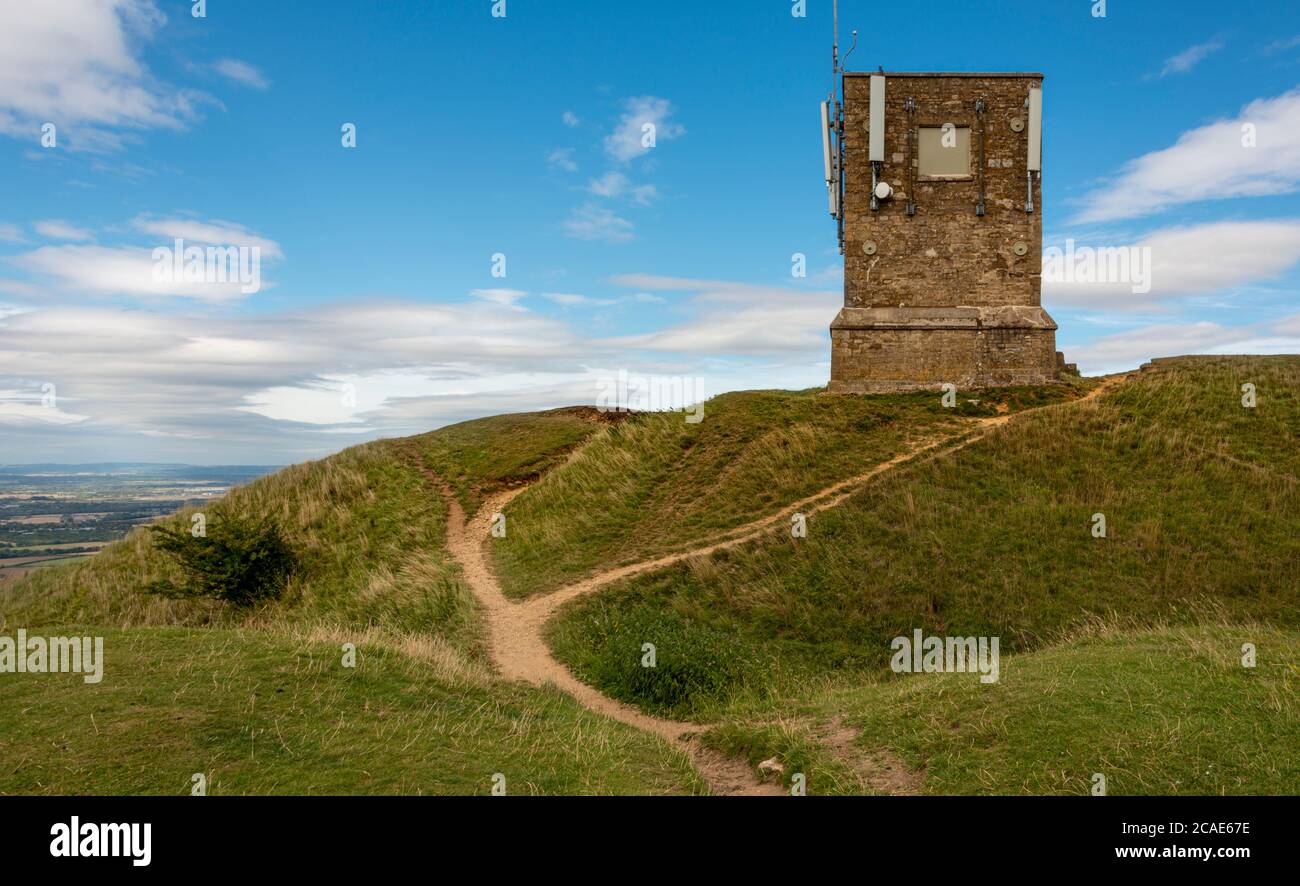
(880,770)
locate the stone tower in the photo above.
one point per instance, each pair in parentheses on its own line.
(942,234)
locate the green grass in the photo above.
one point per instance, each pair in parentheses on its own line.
(655,484)
(782,643)
(1165,712)
(260,713)
(482,456)
(258,700)
(368,531)
(994,540)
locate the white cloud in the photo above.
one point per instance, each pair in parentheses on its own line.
(35,403)
(123,270)
(75,63)
(740,318)
(131,270)
(628,140)
(1282,45)
(611,184)
(1212,162)
(17,287)
(60,230)
(1128,350)
(570,119)
(232,378)
(562,159)
(207,233)
(645,194)
(1188,261)
(570,300)
(506,297)
(203,385)
(10,233)
(616,184)
(666,284)
(19,408)
(592,222)
(1190,57)
(241,72)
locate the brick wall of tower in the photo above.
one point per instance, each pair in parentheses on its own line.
(868,361)
(944,254)
(942,296)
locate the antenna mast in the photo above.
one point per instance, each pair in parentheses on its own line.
(835,160)
(835,43)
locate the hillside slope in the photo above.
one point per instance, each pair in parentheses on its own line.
(656,483)
(969,521)
(1169,711)
(260,701)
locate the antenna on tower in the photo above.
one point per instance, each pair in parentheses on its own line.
(835,43)
(833,129)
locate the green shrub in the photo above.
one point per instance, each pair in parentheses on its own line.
(240,560)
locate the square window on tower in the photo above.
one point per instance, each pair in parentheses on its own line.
(943,153)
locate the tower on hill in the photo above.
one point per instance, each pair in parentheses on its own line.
(936,182)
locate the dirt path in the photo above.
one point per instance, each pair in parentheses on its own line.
(516,639)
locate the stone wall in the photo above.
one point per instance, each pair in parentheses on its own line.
(975,305)
(869,361)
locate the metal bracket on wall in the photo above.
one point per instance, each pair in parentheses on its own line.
(979,112)
(910,105)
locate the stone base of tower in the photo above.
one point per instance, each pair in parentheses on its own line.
(878,350)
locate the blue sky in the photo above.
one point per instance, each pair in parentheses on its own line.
(477,136)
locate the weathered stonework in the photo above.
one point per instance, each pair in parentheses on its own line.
(942,295)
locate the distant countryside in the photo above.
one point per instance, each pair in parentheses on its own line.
(56,514)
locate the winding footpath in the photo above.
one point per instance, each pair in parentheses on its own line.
(516,637)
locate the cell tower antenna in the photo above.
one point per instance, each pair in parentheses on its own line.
(835,43)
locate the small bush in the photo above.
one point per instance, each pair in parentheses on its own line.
(241,560)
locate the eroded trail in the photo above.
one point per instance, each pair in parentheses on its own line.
(516,629)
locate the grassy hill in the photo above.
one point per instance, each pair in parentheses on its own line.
(1167,711)
(268,712)
(1201,506)
(259,700)
(656,484)
(1118,651)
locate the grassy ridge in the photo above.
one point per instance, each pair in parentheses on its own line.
(1168,712)
(479,457)
(655,484)
(259,701)
(261,713)
(369,537)
(783,642)
(1199,496)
